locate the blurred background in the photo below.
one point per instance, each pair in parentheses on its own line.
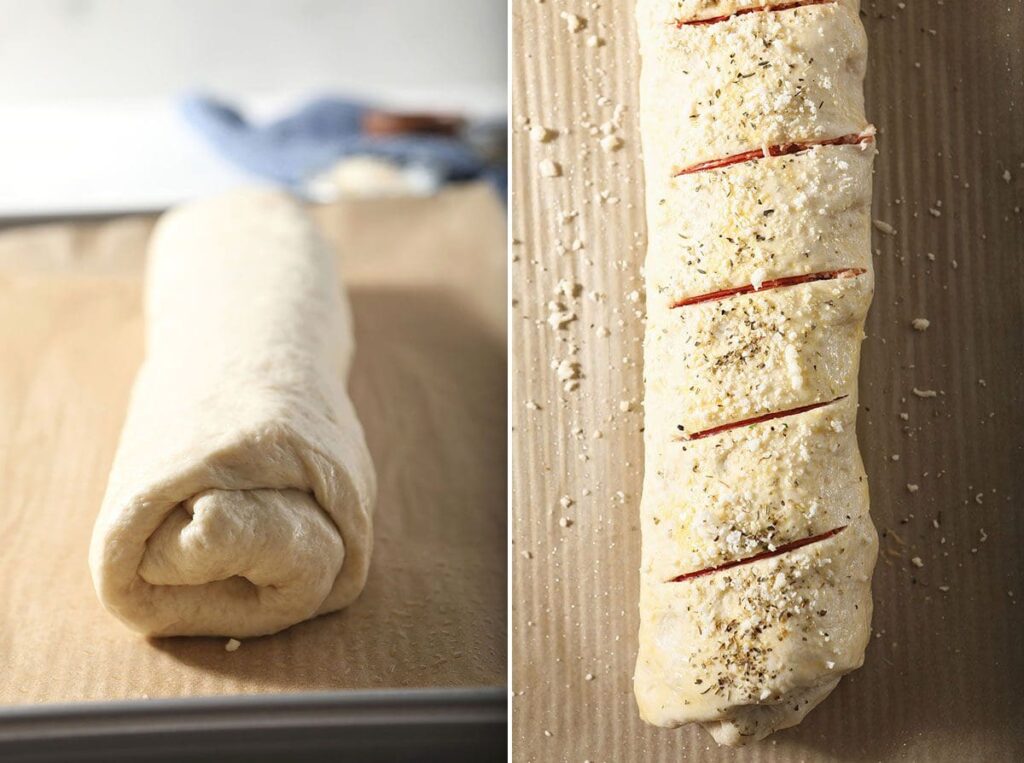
(110,106)
(111,110)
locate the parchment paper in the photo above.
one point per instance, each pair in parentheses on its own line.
(944,673)
(427,283)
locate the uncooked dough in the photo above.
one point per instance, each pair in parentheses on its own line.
(240,500)
(758,548)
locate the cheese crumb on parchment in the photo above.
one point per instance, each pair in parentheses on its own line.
(541,134)
(559,316)
(573,22)
(884,227)
(567,370)
(567,288)
(548,168)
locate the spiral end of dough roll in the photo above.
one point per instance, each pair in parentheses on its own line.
(272,549)
(240,499)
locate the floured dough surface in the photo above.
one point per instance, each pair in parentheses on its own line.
(240,499)
(755,634)
(756,221)
(748,490)
(715,363)
(757,80)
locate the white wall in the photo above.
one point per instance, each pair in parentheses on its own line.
(51,49)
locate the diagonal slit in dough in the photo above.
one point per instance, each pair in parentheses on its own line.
(781,149)
(760,419)
(774,283)
(783,549)
(766,8)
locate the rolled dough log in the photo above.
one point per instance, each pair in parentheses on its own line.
(240,498)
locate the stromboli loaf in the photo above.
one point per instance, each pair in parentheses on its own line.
(757,545)
(240,499)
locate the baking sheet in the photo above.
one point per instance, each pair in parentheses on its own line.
(371,725)
(427,283)
(943,674)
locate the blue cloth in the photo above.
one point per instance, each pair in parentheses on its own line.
(292,150)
